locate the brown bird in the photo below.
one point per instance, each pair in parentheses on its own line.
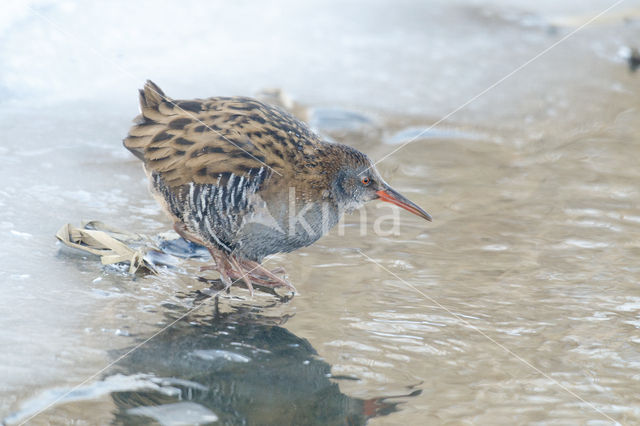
(247,179)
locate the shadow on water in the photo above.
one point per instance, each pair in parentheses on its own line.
(220,363)
(223,360)
(240,367)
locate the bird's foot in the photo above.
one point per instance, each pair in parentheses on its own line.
(266,277)
(226,266)
(232,270)
(209,268)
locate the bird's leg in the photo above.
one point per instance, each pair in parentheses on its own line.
(222,266)
(255,266)
(233,269)
(229,268)
(181,229)
(276,279)
(244,275)
(277,270)
(216,256)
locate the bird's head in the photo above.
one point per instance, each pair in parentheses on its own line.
(357,181)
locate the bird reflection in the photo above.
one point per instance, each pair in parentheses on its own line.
(245,367)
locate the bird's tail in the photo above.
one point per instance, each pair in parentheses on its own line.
(151,96)
(149,121)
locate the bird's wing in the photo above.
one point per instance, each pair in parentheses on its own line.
(203,139)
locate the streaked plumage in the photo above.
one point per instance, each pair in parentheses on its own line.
(234,174)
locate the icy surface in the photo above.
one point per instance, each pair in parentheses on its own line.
(532,182)
(178,414)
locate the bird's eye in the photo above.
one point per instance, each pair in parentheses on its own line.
(366,181)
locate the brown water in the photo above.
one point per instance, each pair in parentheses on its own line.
(520,303)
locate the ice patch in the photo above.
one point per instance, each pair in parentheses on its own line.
(420,133)
(585,244)
(93,391)
(24,235)
(181,413)
(216,354)
(495,247)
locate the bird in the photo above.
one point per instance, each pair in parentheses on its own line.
(247,179)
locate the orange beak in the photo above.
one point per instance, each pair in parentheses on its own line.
(392,196)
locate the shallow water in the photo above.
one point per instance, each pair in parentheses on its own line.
(520,303)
